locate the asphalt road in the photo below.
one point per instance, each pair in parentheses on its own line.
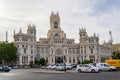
(30,74)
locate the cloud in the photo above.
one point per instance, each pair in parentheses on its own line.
(97,16)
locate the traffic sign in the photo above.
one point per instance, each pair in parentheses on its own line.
(37,57)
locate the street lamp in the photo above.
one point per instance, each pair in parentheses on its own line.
(37,59)
(64,63)
(31,63)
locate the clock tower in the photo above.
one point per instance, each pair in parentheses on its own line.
(55,29)
(54,21)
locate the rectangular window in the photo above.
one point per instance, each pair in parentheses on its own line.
(82,51)
(22,46)
(73,60)
(91,41)
(31,51)
(24,39)
(92,58)
(24,50)
(55,25)
(26,59)
(69,59)
(52,59)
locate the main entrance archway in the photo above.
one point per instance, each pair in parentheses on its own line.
(59,57)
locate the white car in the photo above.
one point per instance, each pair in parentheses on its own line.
(105,67)
(63,67)
(68,66)
(53,67)
(60,67)
(49,66)
(87,68)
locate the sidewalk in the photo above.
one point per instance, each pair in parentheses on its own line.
(53,71)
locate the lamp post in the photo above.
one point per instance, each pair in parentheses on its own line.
(31,63)
(64,63)
(37,59)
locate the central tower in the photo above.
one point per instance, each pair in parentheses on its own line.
(55,29)
(54,21)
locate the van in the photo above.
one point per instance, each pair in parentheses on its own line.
(105,67)
(115,63)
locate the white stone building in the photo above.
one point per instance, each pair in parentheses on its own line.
(57,48)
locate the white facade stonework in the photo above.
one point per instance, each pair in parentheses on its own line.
(57,48)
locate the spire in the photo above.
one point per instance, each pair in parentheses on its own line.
(111,39)
(6,36)
(20,31)
(34,25)
(52,13)
(29,25)
(79,30)
(82,28)
(98,35)
(94,34)
(85,29)
(104,41)
(14,32)
(57,14)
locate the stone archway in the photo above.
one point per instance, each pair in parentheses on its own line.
(59,57)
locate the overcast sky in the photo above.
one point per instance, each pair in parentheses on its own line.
(99,16)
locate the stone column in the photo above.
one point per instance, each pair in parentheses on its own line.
(67,59)
(71,59)
(20,60)
(53,59)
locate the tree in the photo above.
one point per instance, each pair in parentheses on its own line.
(1,51)
(42,61)
(78,62)
(116,55)
(8,52)
(86,62)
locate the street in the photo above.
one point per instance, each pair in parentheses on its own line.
(32,74)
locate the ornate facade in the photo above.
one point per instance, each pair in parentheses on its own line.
(57,48)
(116,47)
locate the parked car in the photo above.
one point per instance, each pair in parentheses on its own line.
(105,67)
(68,66)
(60,67)
(51,66)
(74,65)
(48,67)
(5,68)
(87,68)
(15,67)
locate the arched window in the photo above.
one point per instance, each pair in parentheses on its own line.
(69,59)
(91,50)
(65,51)
(25,50)
(55,25)
(73,60)
(52,51)
(52,59)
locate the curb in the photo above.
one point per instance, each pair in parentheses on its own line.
(52,72)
